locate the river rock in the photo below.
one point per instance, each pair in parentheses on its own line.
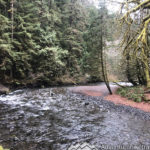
(3,89)
(147,97)
(87,103)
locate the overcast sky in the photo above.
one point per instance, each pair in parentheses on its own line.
(112,6)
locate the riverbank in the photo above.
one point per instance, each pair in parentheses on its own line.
(101,91)
(98,90)
(117,107)
(7,88)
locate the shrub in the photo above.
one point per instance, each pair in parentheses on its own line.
(132,93)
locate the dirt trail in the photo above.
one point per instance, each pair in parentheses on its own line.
(101,90)
(94,90)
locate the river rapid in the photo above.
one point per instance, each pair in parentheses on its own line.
(55,118)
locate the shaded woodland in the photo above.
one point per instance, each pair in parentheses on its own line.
(47,42)
(51,42)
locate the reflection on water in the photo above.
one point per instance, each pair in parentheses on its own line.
(55,118)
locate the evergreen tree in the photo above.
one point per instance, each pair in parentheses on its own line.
(42,40)
(5,48)
(92,54)
(25,21)
(74,23)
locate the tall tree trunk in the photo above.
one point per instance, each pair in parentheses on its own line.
(147,77)
(128,71)
(104,71)
(146,68)
(12,20)
(140,75)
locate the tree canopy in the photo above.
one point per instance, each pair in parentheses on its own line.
(42,42)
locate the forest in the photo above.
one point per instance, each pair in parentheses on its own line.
(57,42)
(70,69)
(50,42)
(60,41)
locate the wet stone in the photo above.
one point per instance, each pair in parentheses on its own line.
(55,118)
(86,103)
(4,90)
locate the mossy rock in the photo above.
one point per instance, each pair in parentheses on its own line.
(1,148)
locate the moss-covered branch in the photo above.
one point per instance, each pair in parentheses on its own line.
(136,44)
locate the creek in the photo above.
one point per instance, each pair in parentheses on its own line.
(55,118)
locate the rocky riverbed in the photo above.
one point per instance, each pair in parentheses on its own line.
(55,118)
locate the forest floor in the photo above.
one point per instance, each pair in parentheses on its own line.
(101,90)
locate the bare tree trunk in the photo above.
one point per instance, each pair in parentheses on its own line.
(104,71)
(12,20)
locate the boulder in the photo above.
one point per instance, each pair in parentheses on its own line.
(147,97)
(3,89)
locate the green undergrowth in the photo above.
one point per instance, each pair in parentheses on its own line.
(132,93)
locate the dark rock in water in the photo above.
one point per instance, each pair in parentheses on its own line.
(86,103)
(3,89)
(52,94)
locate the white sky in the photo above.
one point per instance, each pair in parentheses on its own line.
(112,6)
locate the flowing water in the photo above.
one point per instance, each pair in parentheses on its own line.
(55,118)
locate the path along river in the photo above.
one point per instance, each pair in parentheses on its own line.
(55,118)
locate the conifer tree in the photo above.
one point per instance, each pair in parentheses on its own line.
(74,23)
(5,44)
(41,40)
(5,48)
